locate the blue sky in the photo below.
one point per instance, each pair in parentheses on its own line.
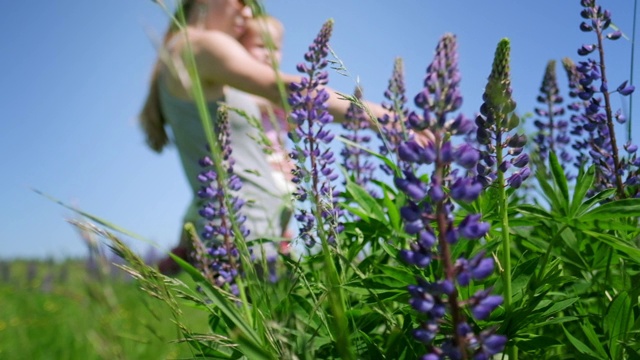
(75,75)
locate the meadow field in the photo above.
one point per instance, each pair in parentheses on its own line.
(425,233)
(73,310)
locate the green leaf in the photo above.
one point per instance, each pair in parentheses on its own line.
(610,224)
(626,208)
(392,211)
(595,199)
(579,345)
(583,184)
(251,349)
(559,306)
(534,211)
(558,320)
(549,192)
(588,330)
(619,244)
(633,354)
(618,322)
(359,212)
(537,343)
(365,200)
(248,340)
(559,177)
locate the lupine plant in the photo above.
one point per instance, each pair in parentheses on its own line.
(448,261)
(220,206)
(393,130)
(428,216)
(552,135)
(598,116)
(356,160)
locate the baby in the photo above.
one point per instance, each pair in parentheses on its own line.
(274,121)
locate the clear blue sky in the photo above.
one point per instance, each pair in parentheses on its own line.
(75,76)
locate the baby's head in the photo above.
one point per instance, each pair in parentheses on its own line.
(253,39)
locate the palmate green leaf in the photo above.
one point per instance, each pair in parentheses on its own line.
(632,354)
(373,347)
(592,201)
(359,212)
(551,195)
(580,346)
(583,184)
(251,349)
(559,177)
(537,343)
(399,273)
(597,224)
(554,321)
(247,339)
(625,208)
(618,322)
(595,341)
(365,200)
(559,306)
(392,210)
(533,211)
(632,252)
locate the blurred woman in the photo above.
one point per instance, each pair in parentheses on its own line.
(228,73)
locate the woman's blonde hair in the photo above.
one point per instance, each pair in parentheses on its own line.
(151,118)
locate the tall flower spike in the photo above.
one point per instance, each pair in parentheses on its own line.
(428,215)
(314,174)
(503,150)
(356,160)
(496,120)
(552,130)
(220,208)
(597,116)
(577,120)
(393,130)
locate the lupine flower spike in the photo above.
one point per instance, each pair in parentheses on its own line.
(598,115)
(314,174)
(502,150)
(552,129)
(356,160)
(494,123)
(428,216)
(393,130)
(220,209)
(578,126)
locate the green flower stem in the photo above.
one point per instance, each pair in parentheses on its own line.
(506,242)
(336,297)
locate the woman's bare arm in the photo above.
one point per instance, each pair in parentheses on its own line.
(221,60)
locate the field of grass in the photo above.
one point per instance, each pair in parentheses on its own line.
(65,311)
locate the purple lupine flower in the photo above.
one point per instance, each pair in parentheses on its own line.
(220,209)
(392,131)
(497,120)
(427,203)
(596,116)
(357,161)
(552,132)
(314,157)
(478,268)
(483,303)
(625,89)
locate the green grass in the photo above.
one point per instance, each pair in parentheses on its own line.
(85,317)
